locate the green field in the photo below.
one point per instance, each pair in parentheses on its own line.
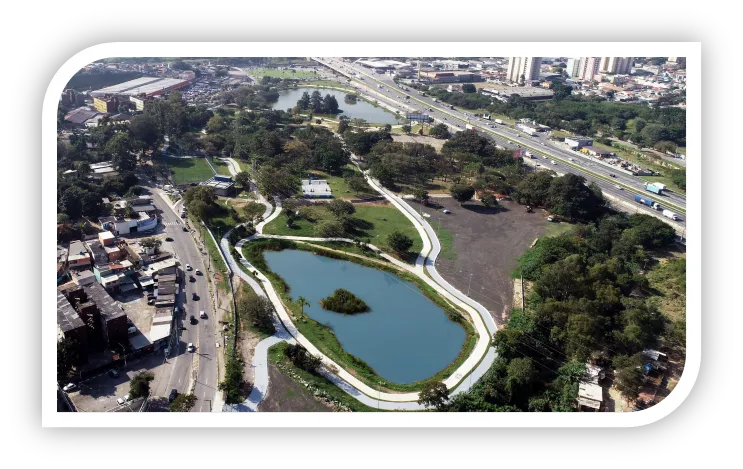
(285,73)
(317,384)
(223,221)
(221,167)
(377,222)
(556,229)
(446,239)
(188,170)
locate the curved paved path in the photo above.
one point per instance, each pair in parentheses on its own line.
(476,364)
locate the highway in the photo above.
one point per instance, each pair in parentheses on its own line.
(202,334)
(623,187)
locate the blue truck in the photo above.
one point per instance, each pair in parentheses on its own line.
(647,201)
(654,189)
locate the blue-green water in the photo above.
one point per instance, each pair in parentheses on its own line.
(361,110)
(405,337)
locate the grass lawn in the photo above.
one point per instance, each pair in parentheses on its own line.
(377,222)
(223,221)
(188,170)
(339,186)
(556,229)
(446,239)
(349,248)
(214,256)
(221,167)
(285,73)
(413,129)
(681,150)
(324,338)
(316,383)
(561,134)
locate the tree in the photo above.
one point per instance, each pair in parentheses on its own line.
(140,384)
(243,179)
(144,129)
(434,394)
(570,197)
(302,358)
(330,229)
(119,148)
(151,243)
(232,383)
(629,378)
(302,302)
(419,193)
(406,128)
(342,124)
(67,357)
(439,131)
(340,208)
(469,88)
(462,193)
(489,200)
(216,125)
(182,403)
(399,242)
(258,311)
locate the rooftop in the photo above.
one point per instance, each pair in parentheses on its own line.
(108,308)
(80,115)
(590,391)
(67,317)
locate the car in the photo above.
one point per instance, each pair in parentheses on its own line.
(191,347)
(131,330)
(113,373)
(188,267)
(191,278)
(619,187)
(173,394)
(198,272)
(447,211)
(169,239)
(69,387)
(612,175)
(185,229)
(194,297)
(123,400)
(202,315)
(192,319)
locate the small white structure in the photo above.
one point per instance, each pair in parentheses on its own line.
(316,189)
(590,393)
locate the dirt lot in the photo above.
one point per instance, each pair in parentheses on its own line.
(437,143)
(286,395)
(486,243)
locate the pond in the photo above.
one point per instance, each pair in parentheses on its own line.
(360,110)
(405,337)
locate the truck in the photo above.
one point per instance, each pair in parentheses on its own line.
(451,106)
(647,201)
(435,100)
(499,121)
(486,116)
(670,214)
(530,154)
(654,189)
(468,127)
(660,186)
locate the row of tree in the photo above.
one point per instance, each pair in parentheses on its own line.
(318,104)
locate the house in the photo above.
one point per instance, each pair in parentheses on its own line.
(78,257)
(103,170)
(590,392)
(222,185)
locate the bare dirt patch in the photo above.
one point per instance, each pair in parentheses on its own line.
(437,143)
(487,243)
(286,395)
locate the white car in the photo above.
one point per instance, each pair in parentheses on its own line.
(191,348)
(447,211)
(123,400)
(202,314)
(69,387)
(619,187)
(188,267)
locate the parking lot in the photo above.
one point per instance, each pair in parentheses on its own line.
(486,243)
(99,394)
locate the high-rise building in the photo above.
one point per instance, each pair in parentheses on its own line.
(616,65)
(522,69)
(589,67)
(573,67)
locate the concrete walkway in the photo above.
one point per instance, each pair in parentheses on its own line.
(461,380)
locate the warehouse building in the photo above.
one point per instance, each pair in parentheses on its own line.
(145,87)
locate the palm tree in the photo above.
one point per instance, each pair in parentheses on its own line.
(302,302)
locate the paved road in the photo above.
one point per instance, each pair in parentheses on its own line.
(202,335)
(511,139)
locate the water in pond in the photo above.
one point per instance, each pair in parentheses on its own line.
(405,337)
(361,110)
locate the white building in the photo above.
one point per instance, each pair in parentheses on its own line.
(521,69)
(616,65)
(588,68)
(573,67)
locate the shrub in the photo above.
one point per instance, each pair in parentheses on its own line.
(302,358)
(343,301)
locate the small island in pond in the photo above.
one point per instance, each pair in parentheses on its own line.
(343,301)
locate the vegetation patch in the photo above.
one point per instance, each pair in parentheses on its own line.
(189,170)
(324,338)
(343,301)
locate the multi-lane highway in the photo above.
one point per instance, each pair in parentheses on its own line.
(621,186)
(200,367)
